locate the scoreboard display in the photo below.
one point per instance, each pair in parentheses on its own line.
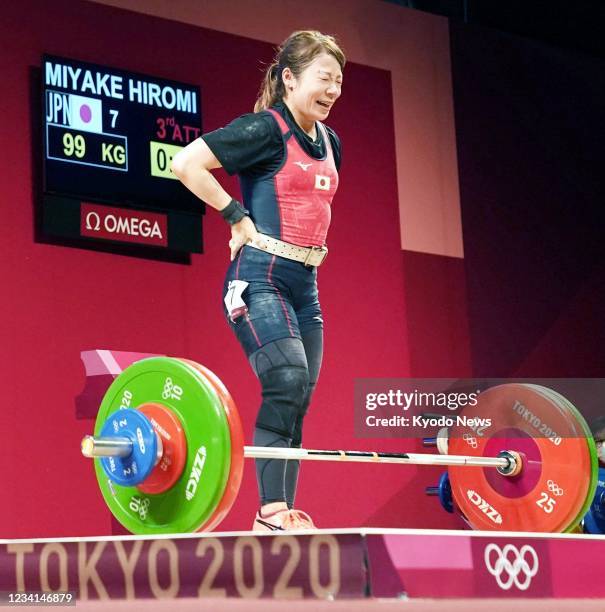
(109,137)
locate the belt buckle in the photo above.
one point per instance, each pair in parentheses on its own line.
(315,249)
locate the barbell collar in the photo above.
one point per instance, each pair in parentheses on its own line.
(515,463)
(110,446)
(106,447)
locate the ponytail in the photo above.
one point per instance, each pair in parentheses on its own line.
(271,89)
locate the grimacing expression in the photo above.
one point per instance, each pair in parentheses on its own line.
(316,89)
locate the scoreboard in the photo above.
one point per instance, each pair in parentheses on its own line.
(109,138)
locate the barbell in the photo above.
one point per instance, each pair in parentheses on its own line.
(169,450)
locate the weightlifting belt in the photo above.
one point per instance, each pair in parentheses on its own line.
(310,256)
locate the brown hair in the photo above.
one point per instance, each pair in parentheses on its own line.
(296,53)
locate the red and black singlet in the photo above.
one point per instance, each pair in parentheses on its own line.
(294,202)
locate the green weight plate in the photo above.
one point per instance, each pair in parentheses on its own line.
(199,490)
(594,471)
(236,470)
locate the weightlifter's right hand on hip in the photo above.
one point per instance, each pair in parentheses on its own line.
(243,233)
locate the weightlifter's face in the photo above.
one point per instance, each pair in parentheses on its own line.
(311,96)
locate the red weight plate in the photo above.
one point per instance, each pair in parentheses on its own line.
(236,470)
(170,467)
(563,401)
(557,465)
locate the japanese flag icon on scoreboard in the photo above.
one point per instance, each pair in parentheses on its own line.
(85,114)
(77,112)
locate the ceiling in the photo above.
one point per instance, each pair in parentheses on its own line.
(572,24)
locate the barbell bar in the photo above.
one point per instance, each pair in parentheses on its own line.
(507,463)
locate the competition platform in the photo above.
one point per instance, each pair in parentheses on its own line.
(363,568)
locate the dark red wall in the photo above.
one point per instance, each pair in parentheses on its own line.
(58,301)
(530,125)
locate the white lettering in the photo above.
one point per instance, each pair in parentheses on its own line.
(88,83)
(96,83)
(196,472)
(163,97)
(168,91)
(111,223)
(155,230)
(93,215)
(154,94)
(116,87)
(135,90)
(53,74)
(74,74)
(133,226)
(58,108)
(186,101)
(484,506)
(102,84)
(123,226)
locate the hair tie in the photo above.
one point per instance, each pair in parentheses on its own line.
(280,69)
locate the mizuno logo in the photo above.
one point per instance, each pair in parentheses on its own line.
(303,166)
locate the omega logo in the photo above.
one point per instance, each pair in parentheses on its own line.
(132,226)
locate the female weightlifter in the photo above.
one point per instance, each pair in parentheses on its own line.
(287,163)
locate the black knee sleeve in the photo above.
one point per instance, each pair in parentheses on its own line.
(283,352)
(284,391)
(297,432)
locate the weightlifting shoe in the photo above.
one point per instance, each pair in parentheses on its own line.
(282,520)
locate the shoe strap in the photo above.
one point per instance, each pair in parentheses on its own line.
(270,526)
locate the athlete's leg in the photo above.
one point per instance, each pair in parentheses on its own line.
(310,321)
(270,336)
(281,367)
(313,344)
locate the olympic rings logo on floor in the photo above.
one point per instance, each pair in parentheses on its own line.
(512,563)
(554,488)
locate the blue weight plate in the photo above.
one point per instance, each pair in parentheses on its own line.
(131,470)
(445,493)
